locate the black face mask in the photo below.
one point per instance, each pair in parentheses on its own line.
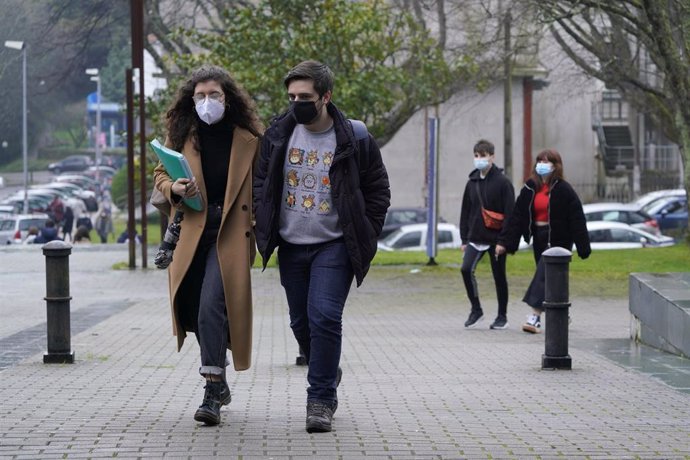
(304,112)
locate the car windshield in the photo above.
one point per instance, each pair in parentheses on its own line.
(657,206)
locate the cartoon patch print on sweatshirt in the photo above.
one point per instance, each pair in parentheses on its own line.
(307,190)
(325,184)
(309,181)
(308,202)
(324,207)
(293,178)
(291,200)
(327,160)
(296,156)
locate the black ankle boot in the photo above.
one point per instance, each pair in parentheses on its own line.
(225,395)
(209,411)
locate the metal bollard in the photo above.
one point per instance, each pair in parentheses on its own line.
(556,304)
(58,302)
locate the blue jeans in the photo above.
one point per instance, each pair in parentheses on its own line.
(212,320)
(317,280)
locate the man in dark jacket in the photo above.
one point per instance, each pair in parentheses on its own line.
(320,196)
(488,189)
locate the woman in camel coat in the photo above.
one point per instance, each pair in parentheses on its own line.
(213,123)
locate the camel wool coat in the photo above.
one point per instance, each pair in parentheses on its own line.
(236,244)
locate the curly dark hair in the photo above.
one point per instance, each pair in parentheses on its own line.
(181,118)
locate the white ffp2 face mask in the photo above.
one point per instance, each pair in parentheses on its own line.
(210,111)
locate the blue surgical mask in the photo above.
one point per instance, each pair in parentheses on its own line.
(544,169)
(481,163)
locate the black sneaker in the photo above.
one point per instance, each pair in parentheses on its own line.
(501,322)
(319,417)
(474,318)
(209,411)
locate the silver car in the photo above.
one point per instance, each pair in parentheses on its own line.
(615,235)
(15,228)
(619,212)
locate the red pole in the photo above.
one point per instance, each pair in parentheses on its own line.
(527,89)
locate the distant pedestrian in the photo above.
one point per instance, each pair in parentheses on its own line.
(320,195)
(550,213)
(124,237)
(82,235)
(488,193)
(67,224)
(31,236)
(47,233)
(56,210)
(104,225)
(78,208)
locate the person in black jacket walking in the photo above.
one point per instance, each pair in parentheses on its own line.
(488,188)
(550,213)
(320,196)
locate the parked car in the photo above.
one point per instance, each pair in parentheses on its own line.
(37,204)
(71,163)
(616,235)
(103,171)
(651,197)
(68,189)
(671,212)
(413,238)
(15,228)
(77,179)
(6,209)
(397,217)
(619,212)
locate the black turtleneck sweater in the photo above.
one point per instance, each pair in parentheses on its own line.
(215,141)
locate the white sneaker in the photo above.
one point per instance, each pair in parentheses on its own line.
(533,324)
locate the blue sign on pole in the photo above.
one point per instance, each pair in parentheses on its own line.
(432,181)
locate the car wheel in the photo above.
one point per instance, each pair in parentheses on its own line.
(56,171)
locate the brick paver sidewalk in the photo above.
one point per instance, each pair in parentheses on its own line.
(416,384)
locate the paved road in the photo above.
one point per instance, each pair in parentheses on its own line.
(416,384)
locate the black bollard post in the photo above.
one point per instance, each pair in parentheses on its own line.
(58,302)
(556,304)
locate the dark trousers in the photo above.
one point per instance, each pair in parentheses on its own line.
(470,260)
(212,319)
(317,280)
(534,297)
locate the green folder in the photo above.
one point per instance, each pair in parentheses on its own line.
(177,166)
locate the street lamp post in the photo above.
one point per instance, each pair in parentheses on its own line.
(25,156)
(97,151)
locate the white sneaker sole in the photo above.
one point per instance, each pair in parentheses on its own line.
(531,329)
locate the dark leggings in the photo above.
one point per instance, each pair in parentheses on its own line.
(498,268)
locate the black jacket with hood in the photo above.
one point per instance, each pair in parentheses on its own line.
(567,223)
(359,187)
(497,194)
